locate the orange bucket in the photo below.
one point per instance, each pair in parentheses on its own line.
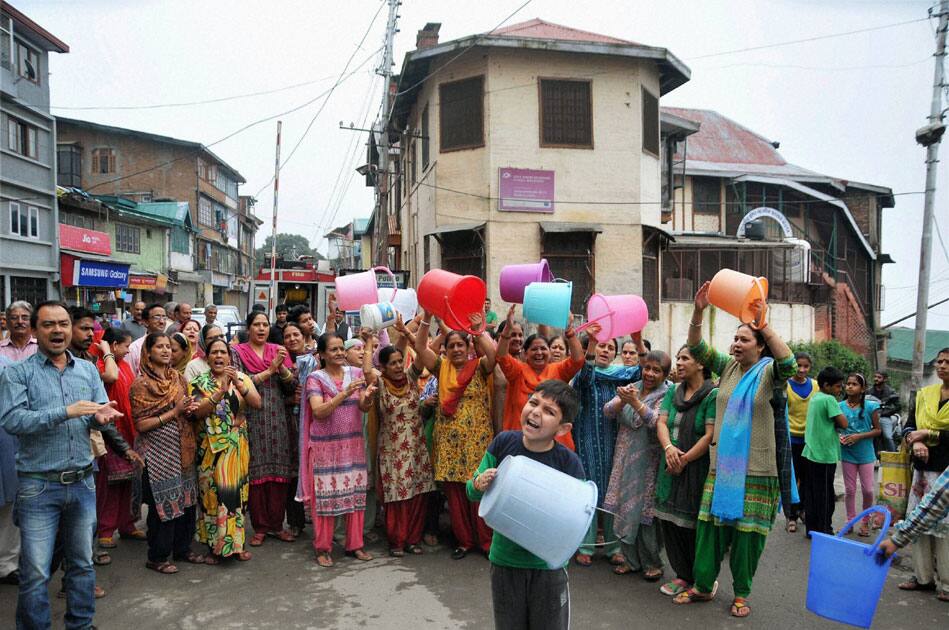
(735,292)
(453,298)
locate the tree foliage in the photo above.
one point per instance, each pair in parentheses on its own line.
(288,246)
(827,353)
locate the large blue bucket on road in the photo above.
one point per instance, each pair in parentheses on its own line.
(846,578)
(540,508)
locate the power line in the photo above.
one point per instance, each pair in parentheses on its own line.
(822,68)
(808,39)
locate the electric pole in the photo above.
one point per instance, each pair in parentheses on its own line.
(272,299)
(929,136)
(382,175)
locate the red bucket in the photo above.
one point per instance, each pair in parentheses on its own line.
(453,298)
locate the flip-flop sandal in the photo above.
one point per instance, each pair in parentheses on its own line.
(211,560)
(257,540)
(791,527)
(913,585)
(165,568)
(397,553)
(193,558)
(107,543)
(102,559)
(136,534)
(652,575)
(415,550)
(324,560)
(360,555)
(740,608)
(692,596)
(617,559)
(623,569)
(99,592)
(673,587)
(943,596)
(583,559)
(283,535)
(244,556)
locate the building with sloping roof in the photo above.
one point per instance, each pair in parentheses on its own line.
(899,354)
(29,265)
(732,200)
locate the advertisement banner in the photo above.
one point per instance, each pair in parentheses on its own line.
(82,240)
(92,273)
(144,283)
(525,190)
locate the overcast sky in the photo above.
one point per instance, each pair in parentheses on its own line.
(845,106)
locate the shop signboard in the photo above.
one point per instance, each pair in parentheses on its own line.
(525,190)
(94,273)
(79,239)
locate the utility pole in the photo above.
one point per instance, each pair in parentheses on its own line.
(272,299)
(382,175)
(929,136)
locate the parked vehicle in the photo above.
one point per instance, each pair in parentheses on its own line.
(228,318)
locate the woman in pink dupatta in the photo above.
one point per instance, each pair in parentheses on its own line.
(273,452)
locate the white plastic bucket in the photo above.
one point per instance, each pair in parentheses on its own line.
(405,302)
(542,509)
(378,316)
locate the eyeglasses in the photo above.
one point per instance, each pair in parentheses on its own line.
(158,317)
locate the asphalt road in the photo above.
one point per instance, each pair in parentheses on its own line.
(282,587)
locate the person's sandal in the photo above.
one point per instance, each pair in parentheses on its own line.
(244,556)
(791,527)
(135,534)
(397,553)
(913,585)
(107,543)
(360,555)
(283,535)
(324,559)
(257,540)
(101,558)
(623,569)
(583,559)
(194,558)
(430,539)
(415,550)
(943,596)
(617,559)
(652,575)
(864,530)
(692,596)
(673,587)
(459,553)
(740,607)
(165,568)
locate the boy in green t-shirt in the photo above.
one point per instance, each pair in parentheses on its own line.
(822,451)
(525,592)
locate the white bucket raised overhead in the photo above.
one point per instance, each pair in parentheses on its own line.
(540,508)
(405,302)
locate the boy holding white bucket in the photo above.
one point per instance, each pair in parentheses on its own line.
(526,593)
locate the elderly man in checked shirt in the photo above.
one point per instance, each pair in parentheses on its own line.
(50,401)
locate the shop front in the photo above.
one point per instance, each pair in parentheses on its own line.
(97,284)
(148,287)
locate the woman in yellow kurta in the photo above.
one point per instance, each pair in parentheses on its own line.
(223,453)
(463,426)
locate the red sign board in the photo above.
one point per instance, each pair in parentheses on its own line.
(82,240)
(296,275)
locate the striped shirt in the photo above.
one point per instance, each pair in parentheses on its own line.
(933,508)
(34,395)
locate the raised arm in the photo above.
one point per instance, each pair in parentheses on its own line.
(485,346)
(504,339)
(425,354)
(573,342)
(698,311)
(371,346)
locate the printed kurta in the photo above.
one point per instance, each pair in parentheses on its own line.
(460,441)
(336,450)
(594,435)
(271,431)
(405,468)
(631,493)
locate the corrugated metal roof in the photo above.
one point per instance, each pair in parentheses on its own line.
(722,140)
(900,346)
(540,29)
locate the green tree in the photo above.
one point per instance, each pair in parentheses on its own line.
(288,246)
(826,353)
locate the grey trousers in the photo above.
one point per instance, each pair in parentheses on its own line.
(530,599)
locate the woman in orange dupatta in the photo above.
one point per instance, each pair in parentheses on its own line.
(463,427)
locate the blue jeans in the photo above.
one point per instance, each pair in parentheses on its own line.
(888,427)
(43,508)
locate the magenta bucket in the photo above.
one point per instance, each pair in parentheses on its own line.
(515,278)
(617,315)
(354,290)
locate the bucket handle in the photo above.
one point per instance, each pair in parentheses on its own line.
(467,329)
(395,287)
(588,323)
(763,316)
(871,549)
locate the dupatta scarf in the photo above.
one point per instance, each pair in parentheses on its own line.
(255,364)
(929,416)
(452,384)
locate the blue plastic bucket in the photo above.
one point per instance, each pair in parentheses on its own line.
(846,577)
(548,303)
(540,508)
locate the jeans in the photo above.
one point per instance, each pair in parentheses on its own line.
(43,508)
(889,428)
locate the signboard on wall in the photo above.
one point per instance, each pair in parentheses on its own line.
(80,239)
(92,273)
(525,190)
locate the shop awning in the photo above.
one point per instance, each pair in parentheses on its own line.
(455,227)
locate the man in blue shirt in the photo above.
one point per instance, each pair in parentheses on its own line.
(50,401)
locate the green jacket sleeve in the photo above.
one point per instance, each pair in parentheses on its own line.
(488,461)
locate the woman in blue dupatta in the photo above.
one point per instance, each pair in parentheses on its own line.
(594,435)
(745,481)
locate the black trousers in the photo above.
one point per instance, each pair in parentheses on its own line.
(680,548)
(296,511)
(800,474)
(530,599)
(167,537)
(819,495)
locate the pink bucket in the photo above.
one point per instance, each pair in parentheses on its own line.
(617,315)
(515,278)
(354,290)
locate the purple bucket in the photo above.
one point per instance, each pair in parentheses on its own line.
(515,278)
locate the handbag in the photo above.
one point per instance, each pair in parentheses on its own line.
(896,480)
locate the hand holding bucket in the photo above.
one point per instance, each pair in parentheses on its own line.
(617,315)
(742,295)
(454,299)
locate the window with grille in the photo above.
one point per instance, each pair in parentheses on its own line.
(651,271)
(24,220)
(566,114)
(462,252)
(571,257)
(706,195)
(69,165)
(206,212)
(22,138)
(461,114)
(33,290)
(77,220)
(128,238)
(650,123)
(6,47)
(180,241)
(424,140)
(103,161)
